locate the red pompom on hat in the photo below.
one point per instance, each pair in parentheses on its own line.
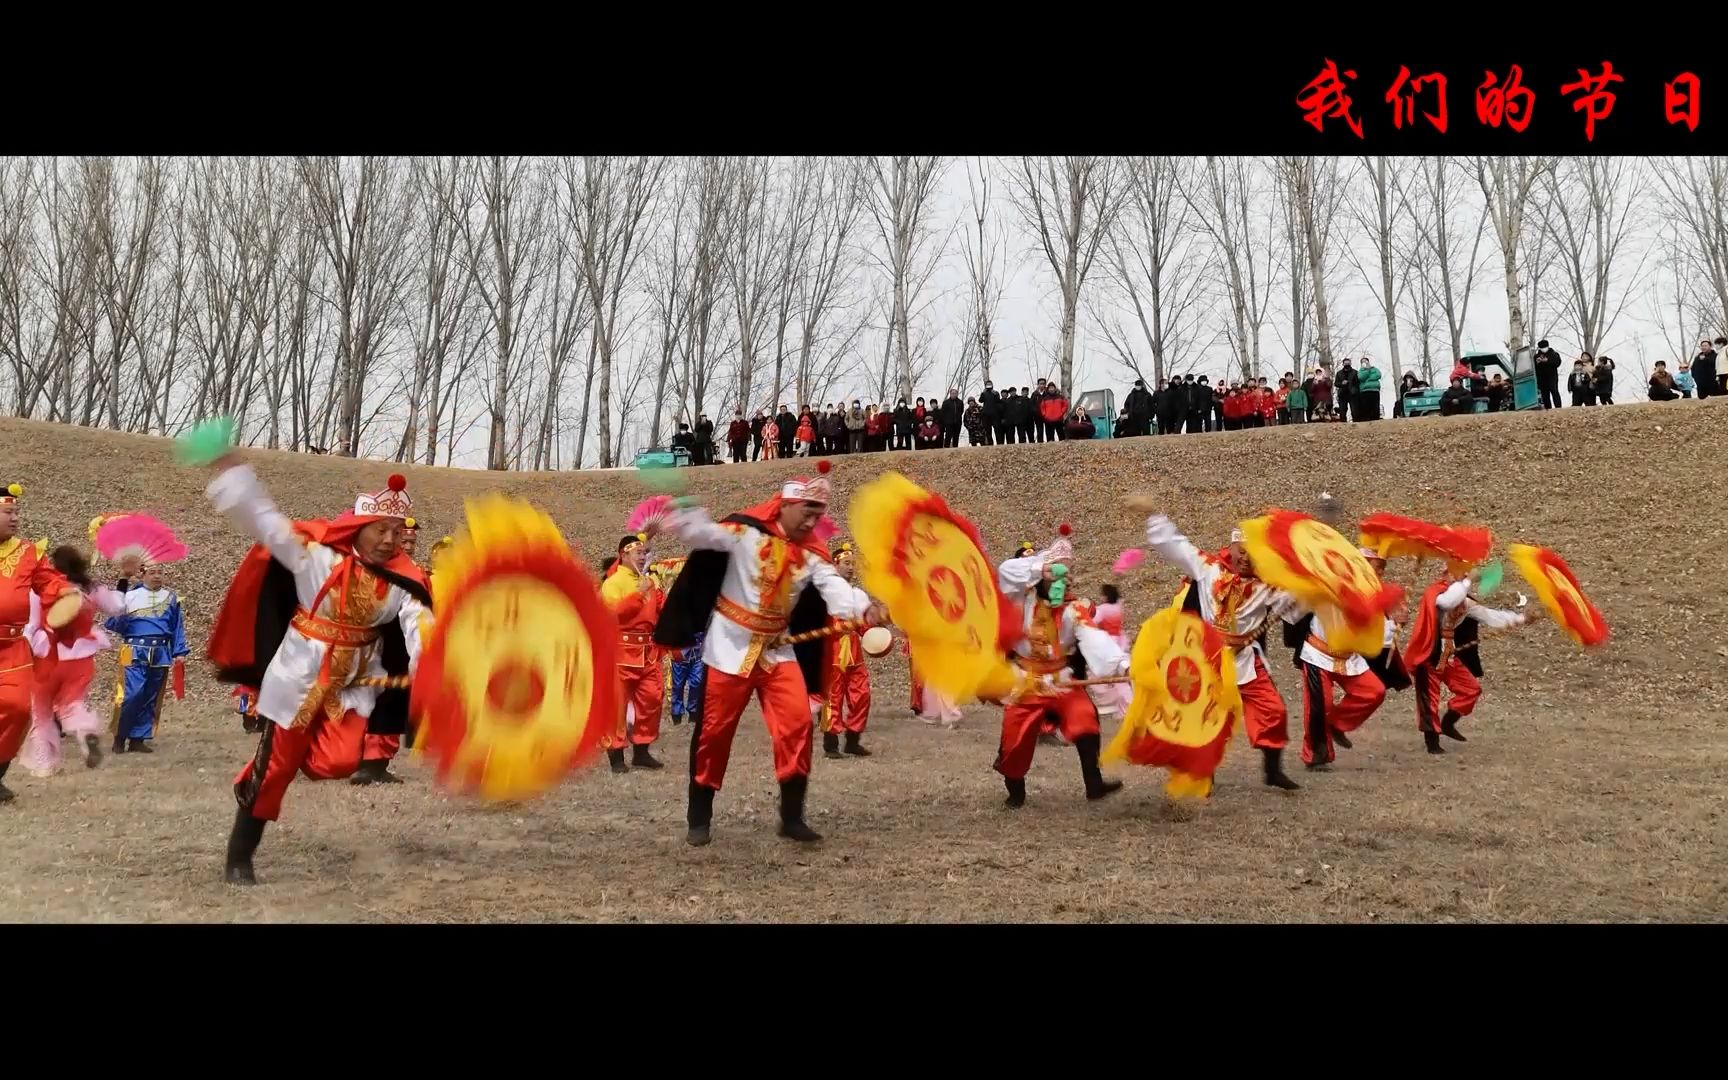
(824,465)
(398,482)
(1065,529)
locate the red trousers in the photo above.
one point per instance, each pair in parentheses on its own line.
(1321,717)
(644,689)
(322,750)
(785,706)
(16,686)
(1263,711)
(846,706)
(1454,676)
(1071,711)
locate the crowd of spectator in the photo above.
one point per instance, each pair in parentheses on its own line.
(1184,404)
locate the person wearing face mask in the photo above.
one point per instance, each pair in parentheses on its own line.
(1604,379)
(1223,590)
(1548,374)
(905,422)
(748,580)
(990,406)
(317,609)
(757,424)
(855,422)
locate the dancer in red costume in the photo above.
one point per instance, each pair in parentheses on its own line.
(1443,653)
(23,573)
(846,685)
(1225,592)
(635,600)
(319,614)
(1055,632)
(747,582)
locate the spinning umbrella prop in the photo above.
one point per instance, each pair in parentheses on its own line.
(1311,561)
(516,685)
(1185,702)
(1558,590)
(926,563)
(1394,537)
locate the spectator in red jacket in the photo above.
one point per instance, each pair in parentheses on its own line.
(1053,411)
(738,435)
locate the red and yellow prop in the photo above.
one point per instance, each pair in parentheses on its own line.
(1558,590)
(1311,561)
(1395,537)
(1185,702)
(516,685)
(927,564)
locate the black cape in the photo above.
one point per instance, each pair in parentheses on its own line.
(278,600)
(694,593)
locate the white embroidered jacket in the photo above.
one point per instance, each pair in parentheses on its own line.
(290,694)
(1047,643)
(764,577)
(1248,603)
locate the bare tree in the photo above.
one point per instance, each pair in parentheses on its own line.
(768,226)
(1590,209)
(1379,204)
(901,196)
(1160,268)
(361,210)
(1223,199)
(1315,192)
(1507,185)
(1069,205)
(986,252)
(821,273)
(605,200)
(1449,233)
(1695,203)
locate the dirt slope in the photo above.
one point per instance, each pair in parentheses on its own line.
(1592,787)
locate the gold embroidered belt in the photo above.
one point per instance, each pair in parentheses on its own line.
(1338,662)
(330,632)
(753,621)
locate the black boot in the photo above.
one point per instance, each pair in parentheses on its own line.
(699,815)
(1096,786)
(1340,738)
(616,757)
(119,746)
(1275,771)
(830,745)
(1449,726)
(1016,793)
(792,825)
(140,746)
(92,751)
(1432,739)
(5,792)
(640,758)
(375,771)
(242,842)
(854,747)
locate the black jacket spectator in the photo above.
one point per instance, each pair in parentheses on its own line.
(990,406)
(787,422)
(757,422)
(1547,362)
(1344,383)
(904,423)
(1139,409)
(1704,371)
(704,439)
(1457,400)
(953,411)
(1605,380)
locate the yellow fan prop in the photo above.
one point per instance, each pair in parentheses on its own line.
(927,564)
(517,684)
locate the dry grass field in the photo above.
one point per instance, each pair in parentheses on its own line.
(1593,788)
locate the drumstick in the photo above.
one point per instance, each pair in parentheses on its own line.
(386,682)
(844,626)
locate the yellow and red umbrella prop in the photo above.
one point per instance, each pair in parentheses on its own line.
(1310,560)
(1559,592)
(926,563)
(1185,702)
(1393,536)
(517,685)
